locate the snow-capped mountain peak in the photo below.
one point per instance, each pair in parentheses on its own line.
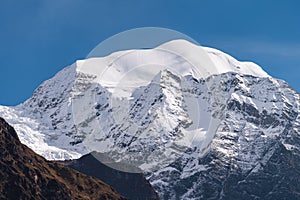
(191,117)
(183,56)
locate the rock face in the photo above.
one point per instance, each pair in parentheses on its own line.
(133,186)
(255,152)
(26,175)
(234,134)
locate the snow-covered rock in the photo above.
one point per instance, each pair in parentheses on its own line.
(199,123)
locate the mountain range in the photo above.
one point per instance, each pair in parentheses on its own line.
(198,123)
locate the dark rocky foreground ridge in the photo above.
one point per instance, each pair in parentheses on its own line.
(131,185)
(26,175)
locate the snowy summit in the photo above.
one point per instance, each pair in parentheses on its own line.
(182,113)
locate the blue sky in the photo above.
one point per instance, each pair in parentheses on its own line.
(39,37)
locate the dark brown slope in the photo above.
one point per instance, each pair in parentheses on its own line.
(131,185)
(25,175)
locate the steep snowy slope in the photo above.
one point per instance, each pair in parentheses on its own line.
(198,122)
(255,152)
(47,122)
